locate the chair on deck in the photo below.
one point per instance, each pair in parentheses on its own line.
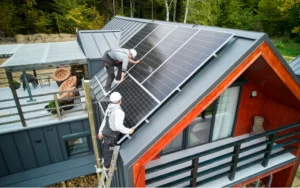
(257,127)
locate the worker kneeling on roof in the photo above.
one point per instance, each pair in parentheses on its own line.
(111,126)
(117,58)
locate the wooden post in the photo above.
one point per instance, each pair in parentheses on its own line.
(57,106)
(195,164)
(92,124)
(15,95)
(85,72)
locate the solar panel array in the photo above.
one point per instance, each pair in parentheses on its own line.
(170,56)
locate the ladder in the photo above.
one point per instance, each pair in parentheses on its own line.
(106,176)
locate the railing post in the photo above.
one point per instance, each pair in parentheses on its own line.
(195,164)
(234,161)
(28,87)
(15,95)
(269,148)
(57,106)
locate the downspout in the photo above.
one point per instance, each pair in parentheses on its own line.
(92,126)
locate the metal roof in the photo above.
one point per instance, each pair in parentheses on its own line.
(243,43)
(42,55)
(94,43)
(128,27)
(295,65)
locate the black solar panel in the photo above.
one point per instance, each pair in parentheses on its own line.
(140,35)
(136,103)
(185,62)
(173,54)
(161,52)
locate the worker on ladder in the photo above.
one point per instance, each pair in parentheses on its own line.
(111,126)
(117,58)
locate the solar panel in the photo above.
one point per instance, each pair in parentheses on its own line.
(161,52)
(136,103)
(152,40)
(177,53)
(185,62)
(140,35)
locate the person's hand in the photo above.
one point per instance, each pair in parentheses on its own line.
(100,136)
(131,131)
(121,80)
(138,61)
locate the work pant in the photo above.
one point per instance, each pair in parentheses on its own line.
(110,69)
(107,145)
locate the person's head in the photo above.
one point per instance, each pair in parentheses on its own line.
(115,98)
(132,53)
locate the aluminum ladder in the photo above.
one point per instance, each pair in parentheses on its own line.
(106,176)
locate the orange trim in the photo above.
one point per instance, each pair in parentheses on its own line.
(263,49)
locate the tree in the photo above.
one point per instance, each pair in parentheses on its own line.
(272,19)
(186,10)
(204,12)
(10,23)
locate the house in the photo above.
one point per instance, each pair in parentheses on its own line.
(196,130)
(176,144)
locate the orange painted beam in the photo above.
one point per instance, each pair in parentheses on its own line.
(263,49)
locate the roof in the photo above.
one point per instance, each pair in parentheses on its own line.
(94,43)
(295,65)
(206,79)
(41,55)
(127,26)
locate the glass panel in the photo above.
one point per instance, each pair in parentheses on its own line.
(225,114)
(199,129)
(175,145)
(77,146)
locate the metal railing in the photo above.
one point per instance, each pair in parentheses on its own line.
(233,166)
(57,108)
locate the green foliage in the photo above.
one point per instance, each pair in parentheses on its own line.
(236,14)
(76,14)
(275,17)
(10,23)
(287,48)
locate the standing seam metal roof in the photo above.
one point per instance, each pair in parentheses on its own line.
(128,27)
(94,43)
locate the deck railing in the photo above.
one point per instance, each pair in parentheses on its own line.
(270,136)
(58,108)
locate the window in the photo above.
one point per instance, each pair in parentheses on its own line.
(77,146)
(199,129)
(214,123)
(175,145)
(225,113)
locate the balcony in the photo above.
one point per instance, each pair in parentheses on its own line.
(225,162)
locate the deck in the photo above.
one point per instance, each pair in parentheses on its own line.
(253,170)
(45,117)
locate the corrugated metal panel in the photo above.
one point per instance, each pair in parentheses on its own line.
(40,147)
(39,55)
(95,43)
(25,150)
(295,65)
(10,154)
(53,144)
(129,27)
